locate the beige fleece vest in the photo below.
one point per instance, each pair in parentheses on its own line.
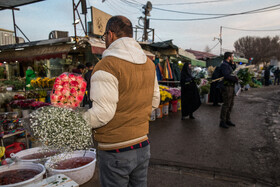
(136,88)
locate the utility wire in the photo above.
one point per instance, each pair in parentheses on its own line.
(158,37)
(271,30)
(192,3)
(214,46)
(214,14)
(217,17)
(137,4)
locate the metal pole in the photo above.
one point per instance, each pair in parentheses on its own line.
(15,28)
(221,41)
(153,35)
(86,24)
(145,27)
(136,33)
(22,33)
(74,18)
(81,20)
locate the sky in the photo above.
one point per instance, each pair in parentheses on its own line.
(39,19)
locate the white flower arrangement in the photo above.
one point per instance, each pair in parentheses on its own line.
(61,128)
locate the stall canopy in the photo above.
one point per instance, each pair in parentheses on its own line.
(190,57)
(97,46)
(9,4)
(165,48)
(218,60)
(239,59)
(36,50)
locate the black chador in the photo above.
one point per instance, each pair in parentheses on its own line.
(189,92)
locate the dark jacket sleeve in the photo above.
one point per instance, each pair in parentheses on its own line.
(226,72)
(87,78)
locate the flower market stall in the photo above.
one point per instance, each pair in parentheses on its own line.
(65,136)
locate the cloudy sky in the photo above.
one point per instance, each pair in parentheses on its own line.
(39,19)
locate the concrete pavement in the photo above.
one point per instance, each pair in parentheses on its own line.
(200,153)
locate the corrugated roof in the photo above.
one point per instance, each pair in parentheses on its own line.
(9,4)
(200,54)
(165,45)
(6,30)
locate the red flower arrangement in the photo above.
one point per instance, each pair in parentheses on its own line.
(68,90)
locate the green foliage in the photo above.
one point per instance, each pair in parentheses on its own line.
(17,84)
(245,76)
(2,70)
(205,89)
(255,84)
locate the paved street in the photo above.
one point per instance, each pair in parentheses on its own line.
(200,153)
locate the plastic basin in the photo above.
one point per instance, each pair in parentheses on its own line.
(24,165)
(81,174)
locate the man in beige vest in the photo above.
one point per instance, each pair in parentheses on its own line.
(124,91)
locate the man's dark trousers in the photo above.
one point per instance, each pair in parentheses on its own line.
(228,98)
(275,80)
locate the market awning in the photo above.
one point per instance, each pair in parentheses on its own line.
(97,46)
(9,4)
(35,53)
(194,62)
(150,55)
(238,59)
(185,53)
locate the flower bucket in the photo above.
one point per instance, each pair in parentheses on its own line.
(81,174)
(42,99)
(165,109)
(159,111)
(153,116)
(25,166)
(179,105)
(204,98)
(170,108)
(174,106)
(25,113)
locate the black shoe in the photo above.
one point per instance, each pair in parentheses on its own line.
(229,123)
(223,125)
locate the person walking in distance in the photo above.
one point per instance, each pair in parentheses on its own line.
(227,87)
(189,93)
(276,76)
(124,91)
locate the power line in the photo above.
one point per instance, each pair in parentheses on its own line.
(271,30)
(222,16)
(214,46)
(265,9)
(192,3)
(158,37)
(215,14)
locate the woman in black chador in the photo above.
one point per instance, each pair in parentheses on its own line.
(189,92)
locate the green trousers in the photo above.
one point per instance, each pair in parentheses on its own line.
(228,98)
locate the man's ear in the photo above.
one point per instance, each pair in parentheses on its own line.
(113,36)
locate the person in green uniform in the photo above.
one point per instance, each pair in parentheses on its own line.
(29,75)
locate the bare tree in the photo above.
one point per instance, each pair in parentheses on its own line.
(261,49)
(207,49)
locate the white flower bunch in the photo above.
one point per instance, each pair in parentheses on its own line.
(61,128)
(8,96)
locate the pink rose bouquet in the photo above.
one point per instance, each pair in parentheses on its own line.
(68,90)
